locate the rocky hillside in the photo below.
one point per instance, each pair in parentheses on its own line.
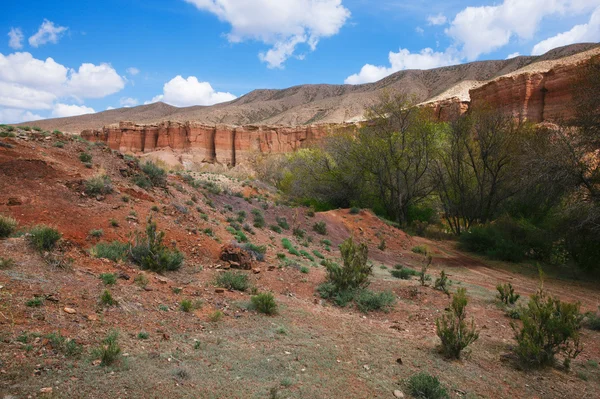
(309,104)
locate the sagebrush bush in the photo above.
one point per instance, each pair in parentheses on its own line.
(506,294)
(264,302)
(114,251)
(320,227)
(549,327)
(367,301)
(108,278)
(149,252)
(233,280)
(420,249)
(44,238)
(7,226)
(155,174)
(257,251)
(98,185)
(96,233)
(452,328)
(426,386)
(354,210)
(85,157)
(592,320)
(109,350)
(107,299)
(404,273)
(442,283)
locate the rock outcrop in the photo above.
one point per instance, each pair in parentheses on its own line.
(224,144)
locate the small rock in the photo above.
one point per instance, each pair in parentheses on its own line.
(256,270)
(398,393)
(96,362)
(46,390)
(99,198)
(219,290)
(70,310)
(366,367)
(92,317)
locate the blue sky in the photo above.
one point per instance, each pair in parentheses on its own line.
(62,58)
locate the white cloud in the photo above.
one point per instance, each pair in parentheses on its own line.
(419,30)
(128,102)
(10,115)
(132,71)
(439,19)
(589,32)
(94,81)
(481,30)
(513,55)
(282,24)
(403,59)
(14,95)
(109,108)
(15,40)
(186,92)
(65,110)
(47,33)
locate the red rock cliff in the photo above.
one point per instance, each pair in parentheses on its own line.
(223,144)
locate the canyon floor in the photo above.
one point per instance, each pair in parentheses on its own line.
(310,349)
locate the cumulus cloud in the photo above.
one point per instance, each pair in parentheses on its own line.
(94,81)
(481,30)
(11,115)
(128,102)
(47,33)
(589,32)
(186,92)
(403,59)
(513,55)
(132,71)
(439,19)
(282,24)
(15,38)
(64,110)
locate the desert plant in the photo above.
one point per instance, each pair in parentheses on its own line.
(7,226)
(367,301)
(420,249)
(96,233)
(155,174)
(257,251)
(114,251)
(143,335)
(382,245)
(215,316)
(275,228)
(423,276)
(85,157)
(109,350)
(264,303)
(36,302)
(442,283)
(141,280)
(62,344)
(404,273)
(282,222)
(354,210)
(591,321)
(452,328)
(186,305)
(506,294)
(259,219)
(549,327)
(318,254)
(6,263)
(149,252)
(355,272)
(320,227)
(298,232)
(233,281)
(44,238)
(108,278)
(98,185)
(107,299)
(426,386)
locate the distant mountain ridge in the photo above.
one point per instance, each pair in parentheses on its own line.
(327,103)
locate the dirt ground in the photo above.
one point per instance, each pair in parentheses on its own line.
(310,349)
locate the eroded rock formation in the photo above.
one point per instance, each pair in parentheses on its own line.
(223,144)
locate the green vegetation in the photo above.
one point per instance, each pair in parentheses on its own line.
(149,252)
(155,174)
(98,185)
(107,299)
(452,329)
(6,263)
(506,294)
(109,351)
(420,249)
(354,210)
(403,272)
(233,280)
(264,303)
(282,222)
(368,301)
(44,238)
(442,283)
(320,227)
(36,302)
(216,316)
(143,335)
(85,157)
(115,251)
(186,306)
(108,278)
(425,386)
(7,226)
(96,233)
(259,219)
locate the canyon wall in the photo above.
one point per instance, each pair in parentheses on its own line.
(223,144)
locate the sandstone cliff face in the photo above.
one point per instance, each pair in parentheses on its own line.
(535,96)
(224,144)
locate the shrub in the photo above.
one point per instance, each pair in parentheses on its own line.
(420,249)
(186,305)
(85,157)
(320,227)
(108,278)
(142,181)
(550,327)
(264,303)
(442,283)
(282,222)
(423,276)
(304,269)
(114,222)
(7,226)
(6,263)
(62,344)
(259,219)
(215,316)
(592,321)
(109,351)
(59,144)
(382,245)
(298,232)
(149,252)
(506,294)
(114,251)
(141,280)
(275,228)
(368,301)
(233,281)
(452,328)
(355,272)
(257,251)
(143,335)
(36,302)
(107,299)
(318,254)
(155,174)
(404,273)
(354,210)
(44,238)
(425,386)
(96,233)
(307,255)
(98,185)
